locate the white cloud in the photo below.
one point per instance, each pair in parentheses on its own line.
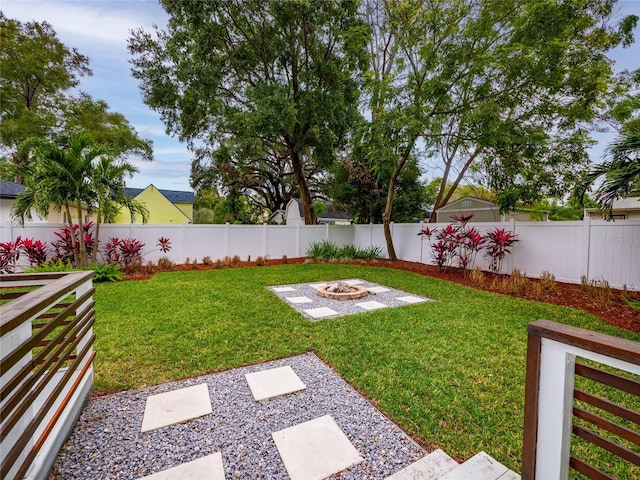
(102,22)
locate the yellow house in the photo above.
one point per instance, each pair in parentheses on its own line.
(165,206)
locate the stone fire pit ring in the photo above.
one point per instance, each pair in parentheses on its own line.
(342,291)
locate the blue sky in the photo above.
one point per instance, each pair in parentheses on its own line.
(99,29)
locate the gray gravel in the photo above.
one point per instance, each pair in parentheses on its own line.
(343,307)
(107,443)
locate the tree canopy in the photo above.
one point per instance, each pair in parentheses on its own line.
(37,76)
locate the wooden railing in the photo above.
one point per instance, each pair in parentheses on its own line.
(46,369)
(556,412)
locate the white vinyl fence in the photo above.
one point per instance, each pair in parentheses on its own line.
(569,250)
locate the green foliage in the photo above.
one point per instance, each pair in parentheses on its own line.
(203,215)
(36,69)
(52,266)
(621,170)
(279,75)
(106,272)
(37,72)
(327,250)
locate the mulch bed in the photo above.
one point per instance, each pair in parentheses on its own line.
(614,311)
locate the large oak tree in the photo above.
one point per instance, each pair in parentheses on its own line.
(278,71)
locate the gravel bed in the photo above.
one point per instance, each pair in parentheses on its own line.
(343,307)
(107,443)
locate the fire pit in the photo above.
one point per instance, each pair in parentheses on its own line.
(342,291)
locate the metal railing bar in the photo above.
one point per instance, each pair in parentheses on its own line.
(607,425)
(608,445)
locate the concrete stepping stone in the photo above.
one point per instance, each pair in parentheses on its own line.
(371,305)
(317,285)
(315,449)
(176,406)
(481,467)
(352,281)
(320,312)
(411,299)
(284,289)
(205,468)
(299,300)
(431,467)
(274,382)
(378,289)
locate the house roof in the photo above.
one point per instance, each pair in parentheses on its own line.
(10,189)
(171,195)
(629,203)
(459,201)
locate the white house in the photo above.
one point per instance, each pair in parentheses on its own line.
(623,209)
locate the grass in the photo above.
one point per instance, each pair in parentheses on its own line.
(450,372)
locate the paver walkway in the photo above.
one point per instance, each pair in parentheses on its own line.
(291,418)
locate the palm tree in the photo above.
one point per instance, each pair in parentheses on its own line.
(620,170)
(108,183)
(60,177)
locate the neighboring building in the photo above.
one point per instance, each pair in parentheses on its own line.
(164,206)
(623,209)
(277,217)
(8,193)
(485,211)
(294,215)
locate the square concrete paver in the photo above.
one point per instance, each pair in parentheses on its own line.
(320,312)
(411,299)
(353,281)
(176,406)
(317,285)
(378,289)
(372,305)
(315,449)
(283,289)
(274,383)
(205,468)
(299,299)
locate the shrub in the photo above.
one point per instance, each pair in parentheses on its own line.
(9,255)
(323,250)
(164,244)
(130,251)
(207,260)
(67,245)
(261,262)
(598,289)
(52,265)
(235,261)
(106,272)
(477,276)
(165,264)
(498,244)
(285,260)
(349,252)
(35,250)
(548,282)
(516,283)
(218,264)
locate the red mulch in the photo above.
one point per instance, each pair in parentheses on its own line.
(617,312)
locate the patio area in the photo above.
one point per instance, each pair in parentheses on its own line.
(346,437)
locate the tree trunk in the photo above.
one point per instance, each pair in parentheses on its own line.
(305,194)
(83,247)
(94,254)
(386,216)
(74,244)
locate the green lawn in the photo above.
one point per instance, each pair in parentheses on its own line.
(450,372)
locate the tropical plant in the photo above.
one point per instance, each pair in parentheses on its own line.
(107,179)
(60,177)
(66,247)
(619,170)
(498,244)
(9,255)
(35,250)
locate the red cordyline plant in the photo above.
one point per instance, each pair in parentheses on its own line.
(164,244)
(499,242)
(454,242)
(35,250)
(67,247)
(9,255)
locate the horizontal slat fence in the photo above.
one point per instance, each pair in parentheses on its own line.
(46,340)
(582,399)
(569,250)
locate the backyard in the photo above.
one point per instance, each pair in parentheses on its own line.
(450,372)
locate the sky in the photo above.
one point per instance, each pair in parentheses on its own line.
(99,29)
